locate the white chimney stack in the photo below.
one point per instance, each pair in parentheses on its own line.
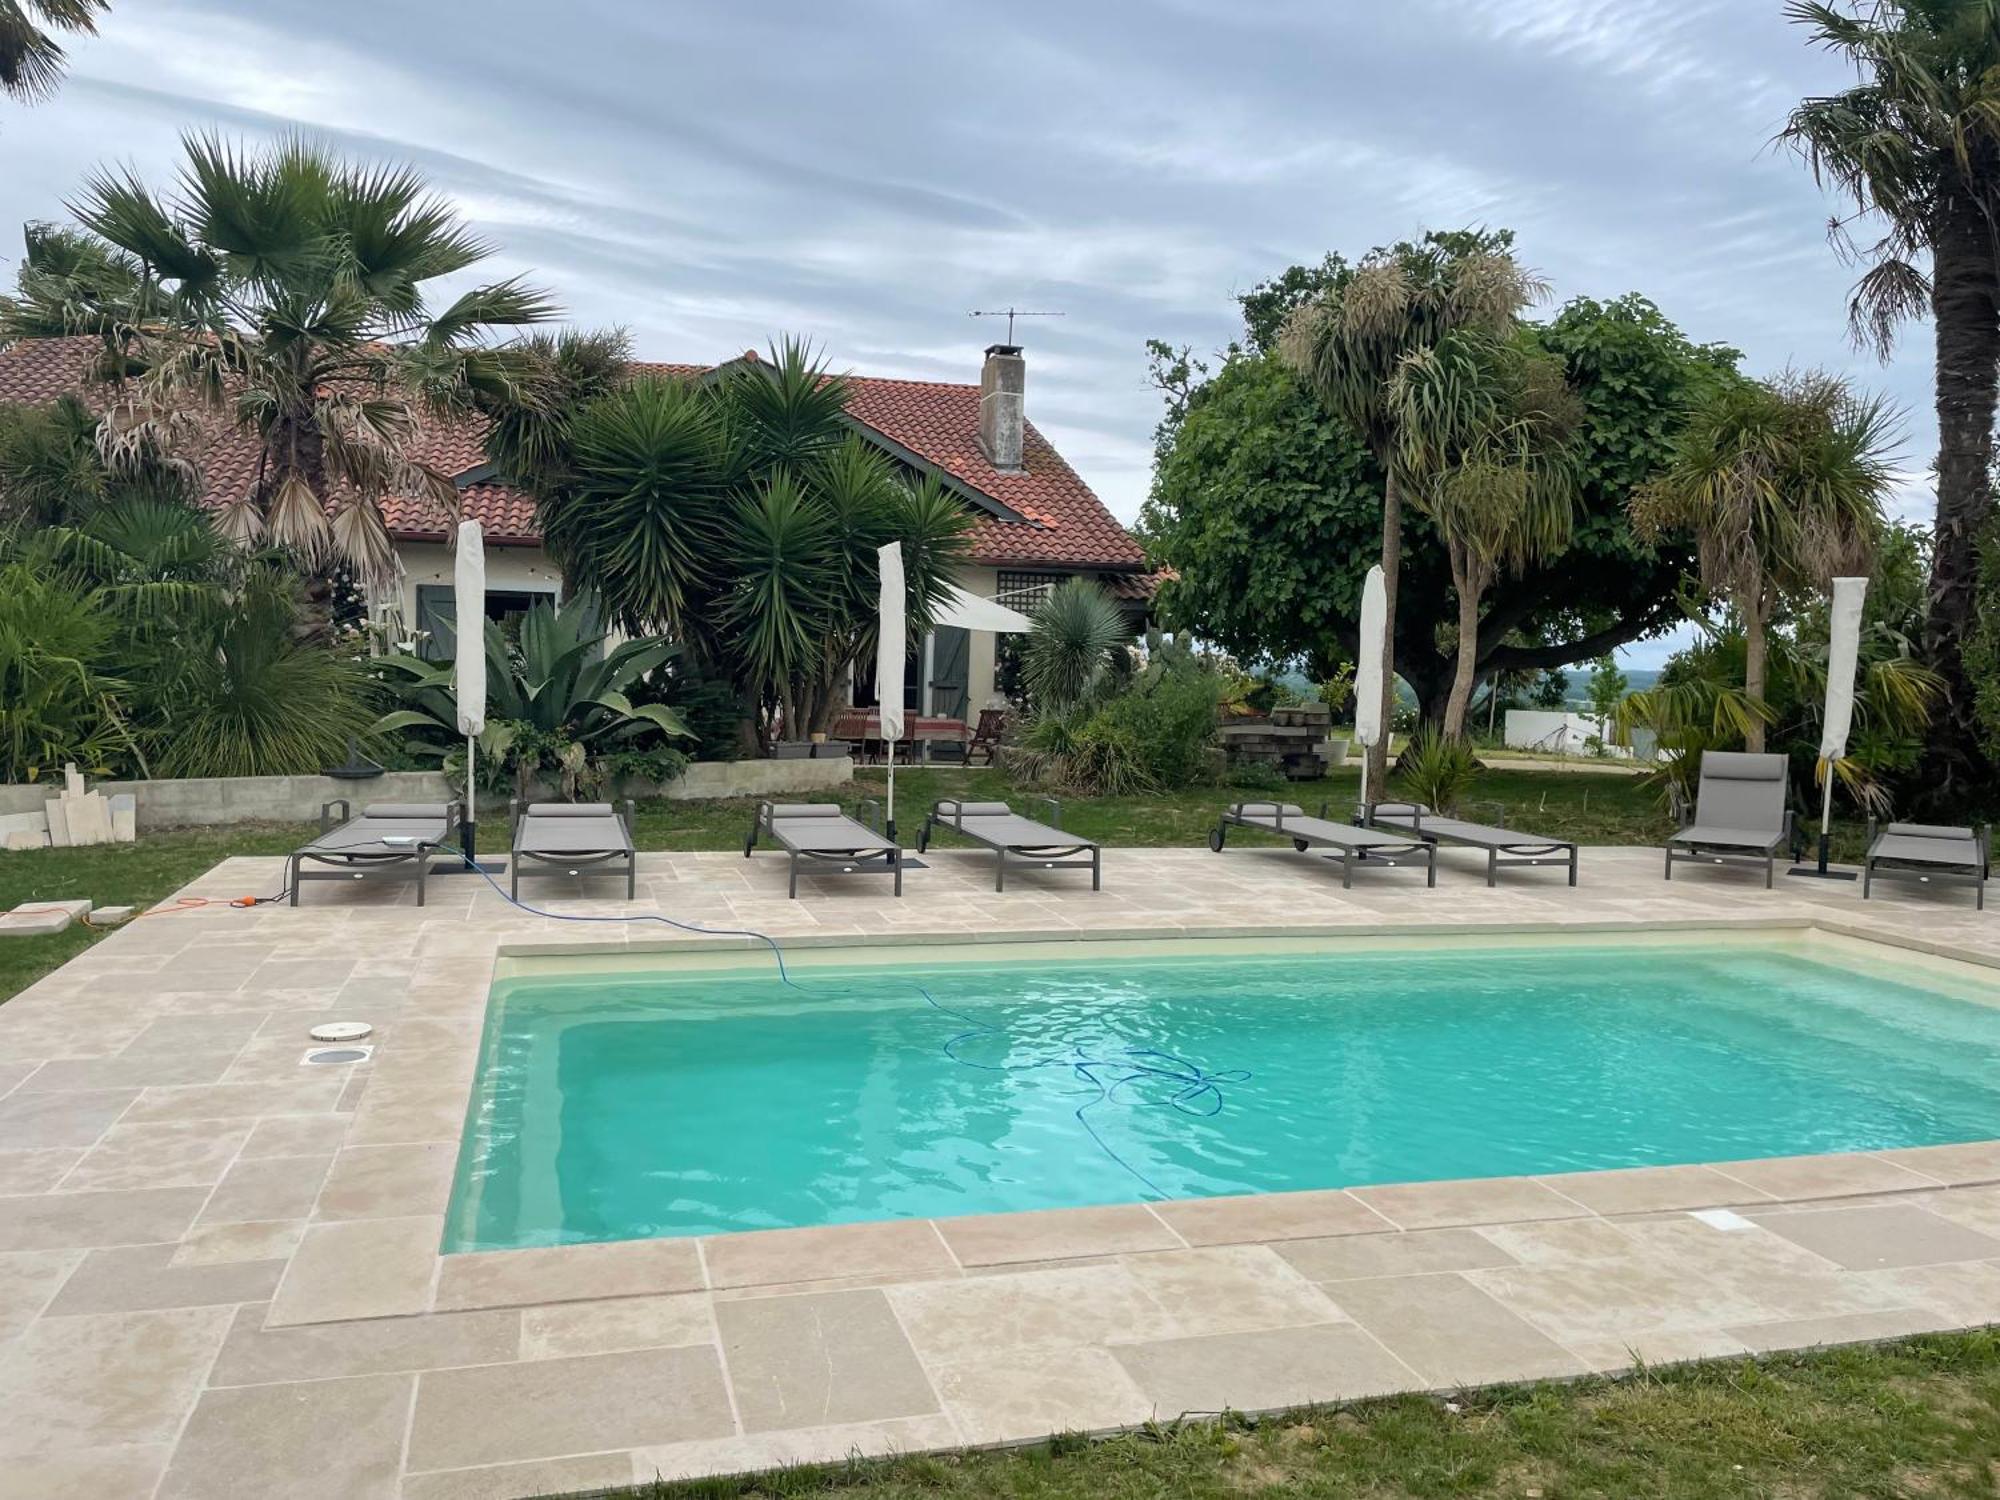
(1002,405)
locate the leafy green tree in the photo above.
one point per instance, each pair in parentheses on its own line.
(1351,343)
(1608,687)
(1781,487)
(31,59)
(1914,147)
(742,515)
(1268,508)
(283,293)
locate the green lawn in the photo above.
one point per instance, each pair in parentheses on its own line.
(1915,1419)
(1592,808)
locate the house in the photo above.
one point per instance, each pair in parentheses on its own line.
(1036,521)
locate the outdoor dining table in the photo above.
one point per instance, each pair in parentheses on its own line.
(863,727)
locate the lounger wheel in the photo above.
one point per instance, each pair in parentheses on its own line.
(923,839)
(1301,845)
(1215,840)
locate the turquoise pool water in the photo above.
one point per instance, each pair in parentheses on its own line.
(623,1106)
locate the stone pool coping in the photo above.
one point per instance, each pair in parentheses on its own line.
(219,1271)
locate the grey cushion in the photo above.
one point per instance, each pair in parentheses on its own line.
(569,809)
(1741,765)
(1930,831)
(952,808)
(1759,839)
(806,810)
(1268,810)
(1741,791)
(404,810)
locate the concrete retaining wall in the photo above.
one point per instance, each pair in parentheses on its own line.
(297,799)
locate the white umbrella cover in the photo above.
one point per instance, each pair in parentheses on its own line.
(1843,651)
(469,661)
(891,650)
(1368,668)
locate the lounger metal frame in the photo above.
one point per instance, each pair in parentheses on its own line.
(413,863)
(1939,874)
(1528,851)
(891,857)
(1681,851)
(1048,856)
(1346,855)
(573,864)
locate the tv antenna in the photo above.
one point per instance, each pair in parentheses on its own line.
(1011,313)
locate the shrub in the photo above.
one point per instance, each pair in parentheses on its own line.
(1436,770)
(1169,715)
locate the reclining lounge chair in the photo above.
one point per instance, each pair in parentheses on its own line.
(1347,843)
(821,831)
(1928,852)
(394,840)
(568,838)
(1740,813)
(1001,829)
(1502,846)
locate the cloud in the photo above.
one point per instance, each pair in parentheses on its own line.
(865,174)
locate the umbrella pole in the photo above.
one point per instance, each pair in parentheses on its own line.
(889,830)
(468,831)
(1819,870)
(1366,751)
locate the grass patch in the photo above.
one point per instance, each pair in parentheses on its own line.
(1917,1418)
(1594,809)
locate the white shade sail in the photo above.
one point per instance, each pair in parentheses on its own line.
(1843,651)
(892,643)
(1368,668)
(970,612)
(469,613)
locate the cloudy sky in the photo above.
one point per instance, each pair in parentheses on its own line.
(865,173)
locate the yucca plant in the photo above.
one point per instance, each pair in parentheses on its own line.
(1436,769)
(1081,643)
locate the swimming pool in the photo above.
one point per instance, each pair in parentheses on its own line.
(627,1102)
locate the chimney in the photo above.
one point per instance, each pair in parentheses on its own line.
(1002,392)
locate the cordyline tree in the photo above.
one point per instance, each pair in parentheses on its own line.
(1268,506)
(739,513)
(1914,146)
(282,293)
(1350,343)
(1780,484)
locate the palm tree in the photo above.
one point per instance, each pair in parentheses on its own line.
(1781,486)
(1915,147)
(1487,432)
(1350,344)
(31,61)
(281,294)
(1080,640)
(741,515)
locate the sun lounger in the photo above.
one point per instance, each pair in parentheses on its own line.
(1347,844)
(1502,846)
(1005,832)
(1928,852)
(569,838)
(821,832)
(394,840)
(1740,813)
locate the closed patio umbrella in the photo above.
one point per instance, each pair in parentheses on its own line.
(469,661)
(1368,672)
(1843,651)
(891,646)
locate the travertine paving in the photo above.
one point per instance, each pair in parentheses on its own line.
(219,1272)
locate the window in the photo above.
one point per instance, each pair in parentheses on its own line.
(1024,591)
(437,609)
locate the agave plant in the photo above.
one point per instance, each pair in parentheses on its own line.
(1079,644)
(554,699)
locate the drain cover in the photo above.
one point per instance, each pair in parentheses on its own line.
(321,1057)
(340,1031)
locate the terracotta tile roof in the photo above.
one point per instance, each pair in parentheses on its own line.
(1066,524)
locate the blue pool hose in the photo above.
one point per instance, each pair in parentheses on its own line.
(1195,1091)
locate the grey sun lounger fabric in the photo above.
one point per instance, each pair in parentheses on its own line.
(570,838)
(1740,813)
(820,831)
(1347,844)
(1502,846)
(1929,852)
(393,839)
(1005,832)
